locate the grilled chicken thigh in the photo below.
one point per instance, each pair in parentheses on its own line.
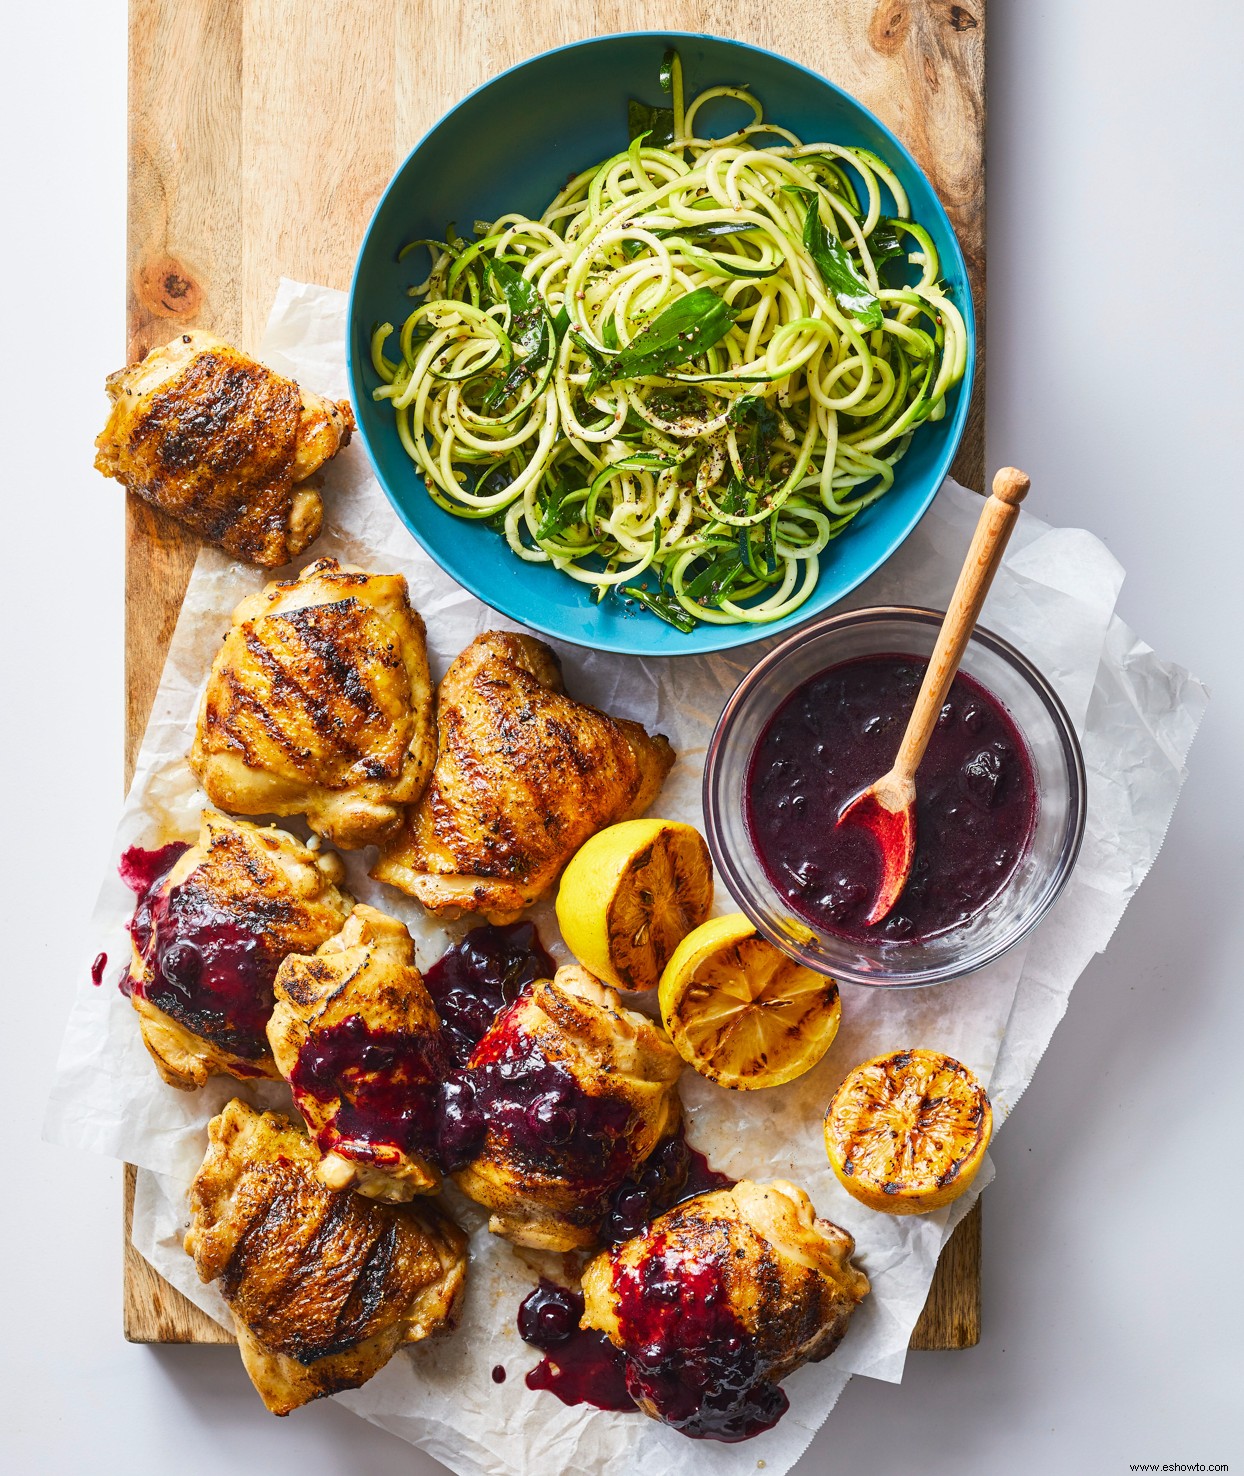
(208,935)
(229,448)
(564,1095)
(357,1037)
(721,1298)
(324,1285)
(524,775)
(319,703)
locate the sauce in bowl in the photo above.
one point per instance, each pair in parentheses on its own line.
(976,799)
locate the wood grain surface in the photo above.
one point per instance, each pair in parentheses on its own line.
(262,133)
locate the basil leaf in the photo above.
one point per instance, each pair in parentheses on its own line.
(884,244)
(556,516)
(759,422)
(715,581)
(839,273)
(687,328)
(710,231)
(600,364)
(530,330)
(663,605)
(657,123)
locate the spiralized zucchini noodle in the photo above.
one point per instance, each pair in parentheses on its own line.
(690,374)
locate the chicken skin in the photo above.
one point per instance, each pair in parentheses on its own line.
(324,1285)
(524,775)
(212,925)
(562,1098)
(356,1035)
(229,448)
(719,1300)
(319,703)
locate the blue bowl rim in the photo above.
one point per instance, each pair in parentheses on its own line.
(714,637)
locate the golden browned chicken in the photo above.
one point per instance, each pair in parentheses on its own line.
(565,1094)
(324,1285)
(719,1300)
(524,775)
(229,448)
(212,924)
(357,1037)
(319,703)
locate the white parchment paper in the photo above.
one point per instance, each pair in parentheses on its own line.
(1054,598)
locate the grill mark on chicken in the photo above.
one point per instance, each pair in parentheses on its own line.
(298,701)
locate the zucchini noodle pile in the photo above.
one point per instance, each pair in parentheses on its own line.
(690,373)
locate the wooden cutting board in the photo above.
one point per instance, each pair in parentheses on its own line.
(261,133)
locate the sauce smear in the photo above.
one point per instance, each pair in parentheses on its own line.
(976,800)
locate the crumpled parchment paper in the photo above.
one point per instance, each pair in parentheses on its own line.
(1054,598)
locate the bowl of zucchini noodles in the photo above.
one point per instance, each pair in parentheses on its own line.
(660,343)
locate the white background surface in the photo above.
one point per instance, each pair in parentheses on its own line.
(1112,1288)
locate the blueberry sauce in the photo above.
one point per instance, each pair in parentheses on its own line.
(140,869)
(688,1357)
(475,979)
(209,974)
(580,1366)
(387,1083)
(837,732)
(674,1171)
(534,1111)
(97,969)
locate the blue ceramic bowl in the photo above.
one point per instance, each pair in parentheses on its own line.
(511,145)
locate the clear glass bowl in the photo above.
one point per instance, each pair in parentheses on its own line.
(1042,871)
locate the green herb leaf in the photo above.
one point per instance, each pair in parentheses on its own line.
(839,273)
(663,605)
(758,422)
(531,330)
(687,328)
(884,244)
(711,230)
(557,516)
(657,123)
(711,585)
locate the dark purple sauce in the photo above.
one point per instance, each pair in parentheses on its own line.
(387,1082)
(472,982)
(687,1355)
(975,809)
(209,974)
(580,1367)
(97,969)
(498,1373)
(140,869)
(534,1110)
(583,1366)
(674,1171)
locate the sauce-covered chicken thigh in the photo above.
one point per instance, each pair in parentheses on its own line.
(356,1035)
(212,925)
(719,1300)
(566,1093)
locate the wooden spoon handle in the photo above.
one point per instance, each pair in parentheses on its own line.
(993,529)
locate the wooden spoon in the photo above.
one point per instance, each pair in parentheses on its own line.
(888,806)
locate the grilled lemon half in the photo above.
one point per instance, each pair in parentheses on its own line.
(629,897)
(907,1132)
(743,1013)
